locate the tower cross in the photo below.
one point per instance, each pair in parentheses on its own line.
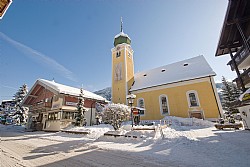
(121,25)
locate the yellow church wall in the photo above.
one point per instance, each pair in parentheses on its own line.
(130,69)
(130,66)
(119,90)
(178,100)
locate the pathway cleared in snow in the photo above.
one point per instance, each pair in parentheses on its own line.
(27,149)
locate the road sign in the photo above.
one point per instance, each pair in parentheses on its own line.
(135,111)
(4,5)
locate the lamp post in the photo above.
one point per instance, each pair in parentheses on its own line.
(131,98)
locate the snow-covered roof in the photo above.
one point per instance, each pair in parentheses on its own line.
(193,68)
(7,100)
(63,89)
(122,34)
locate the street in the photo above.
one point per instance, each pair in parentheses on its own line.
(19,148)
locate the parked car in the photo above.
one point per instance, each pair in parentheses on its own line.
(9,121)
(2,120)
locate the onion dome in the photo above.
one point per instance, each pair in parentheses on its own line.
(122,37)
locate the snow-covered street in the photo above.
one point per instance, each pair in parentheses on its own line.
(182,145)
(48,149)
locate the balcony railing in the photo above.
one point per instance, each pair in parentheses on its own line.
(245,78)
(239,57)
(41,105)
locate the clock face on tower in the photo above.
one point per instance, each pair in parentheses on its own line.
(118,72)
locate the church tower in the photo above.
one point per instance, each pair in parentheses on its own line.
(122,67)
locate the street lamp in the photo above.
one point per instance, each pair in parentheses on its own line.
(131,98)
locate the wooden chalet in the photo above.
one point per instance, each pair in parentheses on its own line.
(52,106)
(235,41)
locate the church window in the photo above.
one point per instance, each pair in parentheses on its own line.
(164,108)
(193,100)
(129,55)
(141,104)
(118,54)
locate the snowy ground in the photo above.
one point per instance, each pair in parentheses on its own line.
(185,142)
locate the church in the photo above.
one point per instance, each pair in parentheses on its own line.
(184,89)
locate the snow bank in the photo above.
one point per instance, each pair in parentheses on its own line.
(94,132)
(177,121)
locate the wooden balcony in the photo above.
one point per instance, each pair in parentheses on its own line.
(241,58)
(40,106)
(245,77)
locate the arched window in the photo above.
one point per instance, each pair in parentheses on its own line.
(164,107)
(118,54)
(193,100)
(141,104)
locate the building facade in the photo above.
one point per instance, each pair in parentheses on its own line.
(52,106)
(183,89)
(234,40)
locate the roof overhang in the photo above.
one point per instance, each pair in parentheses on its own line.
(238,11)
(31,93)
(4,5)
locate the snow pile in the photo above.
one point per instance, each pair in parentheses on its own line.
(144,134)
(177,121)
(94,131)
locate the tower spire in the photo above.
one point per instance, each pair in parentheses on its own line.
(121,25)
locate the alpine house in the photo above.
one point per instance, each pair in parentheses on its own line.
(53,106)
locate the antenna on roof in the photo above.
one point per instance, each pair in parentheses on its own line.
(121,25)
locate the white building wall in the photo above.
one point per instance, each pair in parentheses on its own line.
(245,115)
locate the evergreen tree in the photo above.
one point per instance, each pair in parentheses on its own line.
(230,94)
(81,109)
(237,91)
(18,98)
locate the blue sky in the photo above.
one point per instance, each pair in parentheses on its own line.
(71,40)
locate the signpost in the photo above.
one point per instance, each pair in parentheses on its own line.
(4,5)
(135,111)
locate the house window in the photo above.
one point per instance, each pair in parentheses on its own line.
(164,105)
(55,98)
(68,115)
(141,104)
(53,116)
(193,100)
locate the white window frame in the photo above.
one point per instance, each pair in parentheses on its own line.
(140,106)
(160,103)
(196,96)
